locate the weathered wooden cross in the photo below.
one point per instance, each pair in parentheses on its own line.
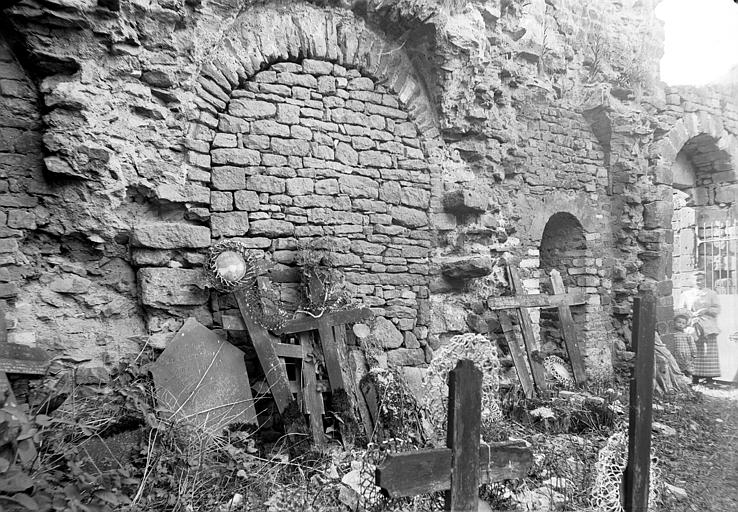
(331,329)
(17,359)
(460,468)
(520,302)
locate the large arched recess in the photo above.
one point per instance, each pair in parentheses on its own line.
(271,37)
(694,164)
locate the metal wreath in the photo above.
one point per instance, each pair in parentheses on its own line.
(218,280)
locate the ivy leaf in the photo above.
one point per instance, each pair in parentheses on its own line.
(27,451)
(26,501)
(15,481)
(43,421)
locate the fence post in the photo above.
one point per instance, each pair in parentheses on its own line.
(637,471)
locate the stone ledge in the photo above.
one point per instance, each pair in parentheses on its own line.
(171,235)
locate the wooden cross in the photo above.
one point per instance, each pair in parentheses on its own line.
(460,468)
(17,359)
(331,328)
(520,302)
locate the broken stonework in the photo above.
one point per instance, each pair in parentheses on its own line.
(163,287)
(386,334)
(467,267)
(170,235)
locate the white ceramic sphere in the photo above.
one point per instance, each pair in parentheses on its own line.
(230,265)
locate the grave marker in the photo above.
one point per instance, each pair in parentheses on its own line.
(531,374)
(460,468)
(17,359)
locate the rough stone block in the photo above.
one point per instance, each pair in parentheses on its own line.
(299,186)
(288,114)
(225,140)
(465,201)
(165,287)
(235,157)
(246,200)
(385,334)
(327,187)
(358,186)
(415,197)
(170,235)
(317,67)
(409,217)
(270,127)
(262,183)
(271,228)
(72,284)
(346,154)
(221,201)
(290,147)
(657,215)
(375,159)
(467,267)
(229,224)
(406,357)
(228,178)
(255,109)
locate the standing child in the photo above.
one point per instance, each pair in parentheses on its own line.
(685,349)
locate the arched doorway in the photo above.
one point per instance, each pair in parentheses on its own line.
(705,232)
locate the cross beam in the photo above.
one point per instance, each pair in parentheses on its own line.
(463,465)
(540,300)
(17,359)
(531,372)
(411,473)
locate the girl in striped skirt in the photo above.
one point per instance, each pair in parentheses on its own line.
(703,304)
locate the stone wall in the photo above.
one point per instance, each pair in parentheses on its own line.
(67,291)
(431,141)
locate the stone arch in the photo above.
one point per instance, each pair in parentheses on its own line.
(266,35)
(664,151)
(593,325)
(393,244)
(698,144)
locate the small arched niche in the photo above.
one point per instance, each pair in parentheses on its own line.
(564,248)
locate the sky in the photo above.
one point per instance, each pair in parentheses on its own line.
(701,43)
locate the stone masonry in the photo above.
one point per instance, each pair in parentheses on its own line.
(429,143)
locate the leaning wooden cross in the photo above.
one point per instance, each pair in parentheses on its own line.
(17,359)
(272,353)
(520,302)
(460,468)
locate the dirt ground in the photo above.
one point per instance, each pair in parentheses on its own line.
(702,456)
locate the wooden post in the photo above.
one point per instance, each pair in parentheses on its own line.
(521,366)
(637,471)
(568,331)
(264,346)
(464,426)
(526,328)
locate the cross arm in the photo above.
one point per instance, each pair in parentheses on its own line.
(235,323)
(412,473)
(536,301)
(22,359)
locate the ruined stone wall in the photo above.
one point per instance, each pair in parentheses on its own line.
(432,141)
(65,291)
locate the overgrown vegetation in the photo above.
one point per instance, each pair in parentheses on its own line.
(107,448)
